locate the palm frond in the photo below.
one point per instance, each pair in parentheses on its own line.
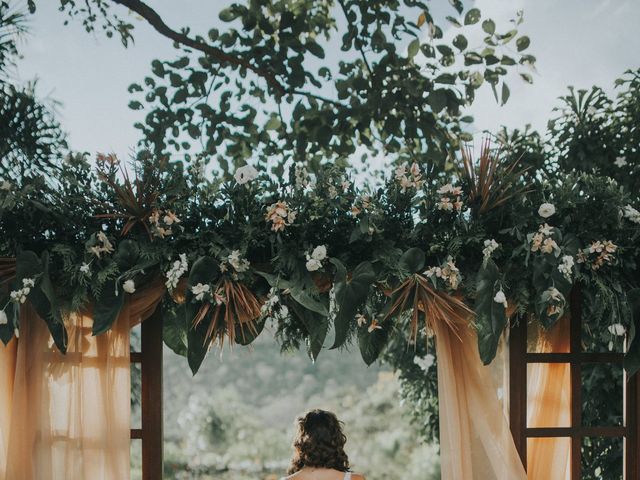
(491,180)
(434,306)
(240,308)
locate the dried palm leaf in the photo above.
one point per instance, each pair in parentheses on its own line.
(137,197)
(417,294)
(239,308)
(7,269)
(493,181)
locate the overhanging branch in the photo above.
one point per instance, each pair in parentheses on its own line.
(155,20)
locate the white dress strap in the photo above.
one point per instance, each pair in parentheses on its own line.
(347,476)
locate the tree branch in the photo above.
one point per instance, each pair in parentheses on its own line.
(356,41)
(154,19)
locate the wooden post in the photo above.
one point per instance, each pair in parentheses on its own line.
(152,421)
(518,387)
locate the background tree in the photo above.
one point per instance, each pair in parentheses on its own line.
(261,88)
(30,138)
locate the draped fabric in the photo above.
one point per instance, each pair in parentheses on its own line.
(549,405)
(67,417)
(475,440)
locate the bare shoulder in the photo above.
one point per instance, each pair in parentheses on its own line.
(357,476)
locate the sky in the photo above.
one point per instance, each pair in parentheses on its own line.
(576,42)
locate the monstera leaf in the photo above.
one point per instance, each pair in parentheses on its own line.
(42,296)
(491,316)
(632,357)
(350,294)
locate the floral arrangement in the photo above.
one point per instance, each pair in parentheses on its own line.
(312,253)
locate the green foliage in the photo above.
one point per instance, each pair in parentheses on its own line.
(491,316)
(350,294)
(399,86)
(30,138)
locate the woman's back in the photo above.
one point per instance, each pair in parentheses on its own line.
(323,474)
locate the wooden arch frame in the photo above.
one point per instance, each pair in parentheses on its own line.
(151,431)
(519,358)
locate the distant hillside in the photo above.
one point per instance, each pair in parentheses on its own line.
(234,419)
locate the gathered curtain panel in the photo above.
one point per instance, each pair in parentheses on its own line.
(475,439)
(65,417)
(68,416)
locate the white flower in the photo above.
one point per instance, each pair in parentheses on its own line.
(28,282)
(620,162)
(85,268)
(549,245)
(490,246)
(176,272)
(361,320)
(245,174)
(103,245)
(501,298)
(554,294)
(200,290)
(424,363)
(3,318)
(566,266)
(129,286)
(546,210)
(240,264)
(319,253)
(445,204)
(617,329)
(313,264)
(545,229)
(632,214)
(170,218)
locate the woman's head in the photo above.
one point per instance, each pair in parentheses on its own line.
(319,442)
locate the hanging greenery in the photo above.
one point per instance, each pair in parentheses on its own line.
(315,253)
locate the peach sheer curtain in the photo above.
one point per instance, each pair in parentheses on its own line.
(475,440)
(549,405)
(65,417)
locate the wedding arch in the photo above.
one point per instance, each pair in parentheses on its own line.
(524,253)
(416,257)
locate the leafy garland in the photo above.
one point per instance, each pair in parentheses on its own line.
(312,252)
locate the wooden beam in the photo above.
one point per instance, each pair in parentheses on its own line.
(575,329)
(582,357)
(632,422)
(518,387)
(152,421)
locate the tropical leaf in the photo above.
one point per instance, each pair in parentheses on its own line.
(42,296)
(174,330)
(317,327)
(491,317)
(372,343)
(350,294)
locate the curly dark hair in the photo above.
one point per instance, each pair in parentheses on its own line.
(319,442)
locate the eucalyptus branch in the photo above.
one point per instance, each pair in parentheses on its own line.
(156,21)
